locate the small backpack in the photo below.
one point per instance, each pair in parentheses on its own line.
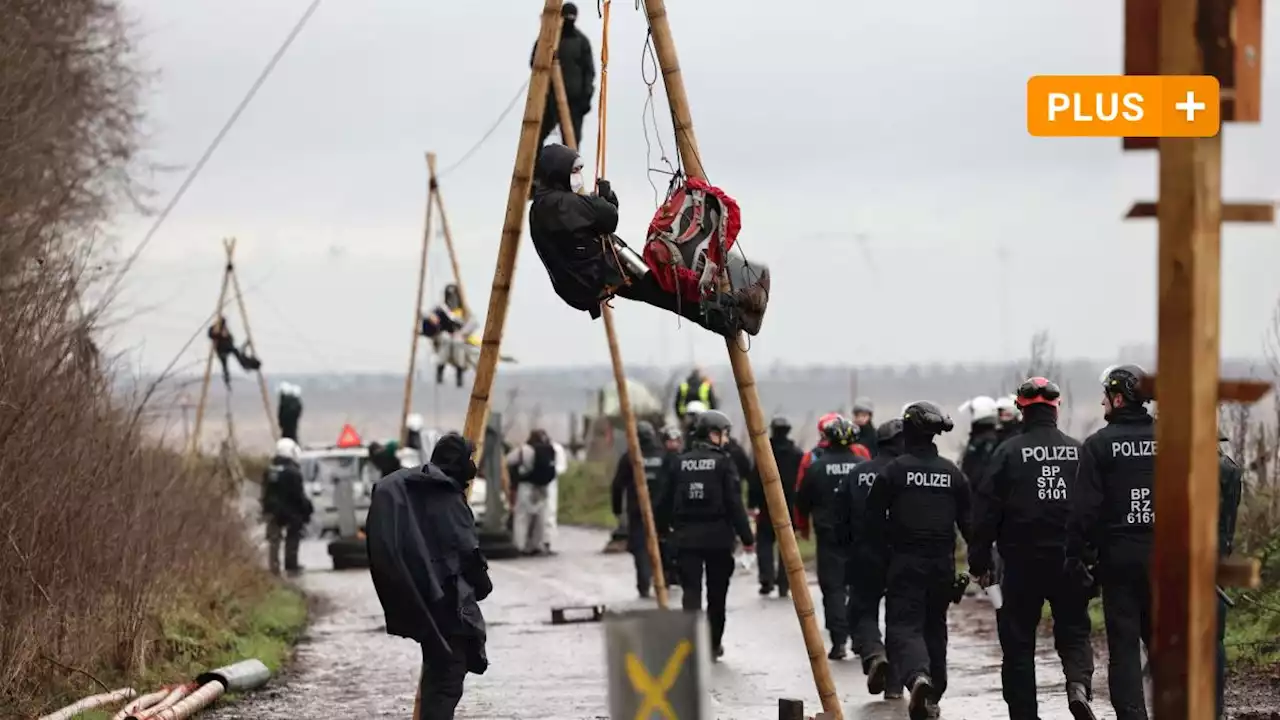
(544,465)
(690,237)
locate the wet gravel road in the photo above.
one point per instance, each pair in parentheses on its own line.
(347,667)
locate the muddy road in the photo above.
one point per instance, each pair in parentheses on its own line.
(347,667)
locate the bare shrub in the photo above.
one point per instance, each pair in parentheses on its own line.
(99,531)
(1254,441)
(1042,361)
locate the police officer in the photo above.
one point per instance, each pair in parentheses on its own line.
(816,496)
(984,437)
(1113,519)
(704,503)
(865,572)
(285,505)
(1231,479)
(1010,420)
(916,503)
(655,472)
(672,446)
(1021,504)
(768,556)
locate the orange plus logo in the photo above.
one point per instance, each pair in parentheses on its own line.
(1123,106)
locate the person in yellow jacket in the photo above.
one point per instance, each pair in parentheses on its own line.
(697,388)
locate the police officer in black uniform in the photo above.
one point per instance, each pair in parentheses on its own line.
(1021,504)
(655,473)
(1113,519)
(1231,480)
(816,497)
(768,555)
(704,504)
(865,572)
(916,503)
(285,506)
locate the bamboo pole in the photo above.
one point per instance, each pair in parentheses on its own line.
(512,226)
(228,247)
(248,337)
(417,307)
(766,465)
(1185,605)
(448,240)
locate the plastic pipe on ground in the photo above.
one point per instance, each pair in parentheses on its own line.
(91,702)
(142,703)
(172,698)
(193,703)
(238,677)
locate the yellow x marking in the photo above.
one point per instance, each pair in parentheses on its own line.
(653,689)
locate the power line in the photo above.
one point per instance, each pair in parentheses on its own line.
(217,140)
(492,129)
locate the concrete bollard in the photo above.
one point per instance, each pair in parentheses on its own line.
(659,663)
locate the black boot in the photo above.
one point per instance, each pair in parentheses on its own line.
(919,707)
(766,588)
(838,651)
(877,669)
(1078,702)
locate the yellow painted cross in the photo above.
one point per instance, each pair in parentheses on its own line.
(653,689)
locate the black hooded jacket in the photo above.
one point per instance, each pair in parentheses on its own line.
(566,229)
(984,438)
(424,556)
(577,66)
(788,456)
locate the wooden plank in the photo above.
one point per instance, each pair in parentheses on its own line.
(1246,37)
(1183,573)
(1244,212)
(1229,391)
(1239,572)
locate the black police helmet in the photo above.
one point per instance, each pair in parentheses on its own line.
(780,425)
(926,418)
(645,431)
(709,422)
(889,431)
(840,431)
(1126,381)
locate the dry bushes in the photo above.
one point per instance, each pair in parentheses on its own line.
(99,532)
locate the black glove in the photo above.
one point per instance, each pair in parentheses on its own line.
(605,190)
(957,590)
(1080,575)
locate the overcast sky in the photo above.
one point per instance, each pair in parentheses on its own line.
(828,122)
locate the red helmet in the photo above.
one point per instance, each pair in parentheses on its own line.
(1038,390)
(826,420)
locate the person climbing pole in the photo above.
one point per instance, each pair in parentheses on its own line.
(224,344)
(588,264)
(578,68)
(289,410)
(447,326)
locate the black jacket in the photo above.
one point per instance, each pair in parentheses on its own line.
(1231,479)
(1023,500)
(577,65)
(787,455)
(284,498)
(743,462)
(867,438)
(289,410)
(918,501)
(566,229)
(1114,502)
(703,502)
(817,494)
(656,469)
(984,438)
(424,556)
(851,499)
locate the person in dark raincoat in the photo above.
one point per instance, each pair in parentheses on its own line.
(428,571)
(588,264)
(768,555)
(657,470)
(578,68)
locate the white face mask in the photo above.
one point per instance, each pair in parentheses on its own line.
(576,183)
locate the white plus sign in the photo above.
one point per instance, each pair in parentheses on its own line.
(1190,106)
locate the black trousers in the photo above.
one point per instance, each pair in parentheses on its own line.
(722,320)
(1029,582)
(769,556)
(866,581)
(440,688)
(916,601)
(638,546)
(551,121)
(831,580)
(718,565)
(1126,603)
(291,533)
(289,428)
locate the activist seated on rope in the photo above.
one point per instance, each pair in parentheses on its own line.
(684,258)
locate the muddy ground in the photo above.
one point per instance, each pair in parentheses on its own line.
(347,667)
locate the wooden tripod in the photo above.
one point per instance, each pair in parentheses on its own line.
(230,281)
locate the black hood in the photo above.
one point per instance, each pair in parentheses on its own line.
(1040,415)
(555,165)
(434,476)
(451,457)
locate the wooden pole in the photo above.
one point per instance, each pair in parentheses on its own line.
(1186,489)
(448,239)
(417,307)
(513,226)
(228,247)
(248,337)
(766,465)
(562,107)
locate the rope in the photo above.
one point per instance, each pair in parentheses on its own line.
(602,106)
(488,134)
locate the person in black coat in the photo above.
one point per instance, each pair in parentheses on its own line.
(428,571)
(578,68)
(657,468)
(787,455)
(285,505)
(588,264)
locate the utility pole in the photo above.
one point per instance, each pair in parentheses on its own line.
(1221,38)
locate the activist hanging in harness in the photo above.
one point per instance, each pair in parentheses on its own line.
(686,263)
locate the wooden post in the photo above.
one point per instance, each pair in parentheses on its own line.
(248,338)
(766,465)
(562,107)
(448,237)
(228,247)
(513,225)
(407,407)
(1184,603)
